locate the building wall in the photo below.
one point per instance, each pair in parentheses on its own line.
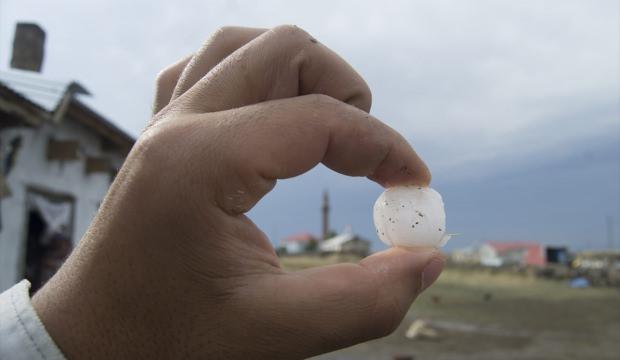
(32,169)
(489,256)
(293,248)
(525,254)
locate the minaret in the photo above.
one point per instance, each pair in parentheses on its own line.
(325,211)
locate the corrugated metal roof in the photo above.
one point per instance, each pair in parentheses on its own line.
(48,95)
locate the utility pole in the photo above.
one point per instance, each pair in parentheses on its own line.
(609,220)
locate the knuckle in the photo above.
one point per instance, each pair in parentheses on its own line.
(220,36)
(222,32)
(362,98)
(224,37)
(150,140)
(288,31)
(170,74)
(322,100)
(155,142)
(164,76)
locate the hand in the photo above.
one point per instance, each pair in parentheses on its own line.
(172,268)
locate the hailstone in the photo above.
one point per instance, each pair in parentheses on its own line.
(411,216)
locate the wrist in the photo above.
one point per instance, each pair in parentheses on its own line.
(89,308)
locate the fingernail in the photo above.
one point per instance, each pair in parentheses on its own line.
(431,272)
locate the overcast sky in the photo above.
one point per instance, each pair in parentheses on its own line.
(513,104)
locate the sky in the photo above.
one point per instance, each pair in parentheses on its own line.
(514,105)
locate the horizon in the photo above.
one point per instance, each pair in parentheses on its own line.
(514,107)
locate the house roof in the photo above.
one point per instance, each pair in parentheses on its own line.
(18,110)
(335,243)
(501,246)
(301,237)
(43,92)
(90,118)
(32,99)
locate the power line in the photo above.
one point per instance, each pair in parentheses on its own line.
(39,94)
(36,79)
(609,220)
(32,86)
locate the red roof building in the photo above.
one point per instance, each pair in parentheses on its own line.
(302,237)
(298,243)
(498,253)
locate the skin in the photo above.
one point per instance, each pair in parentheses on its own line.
(172,268)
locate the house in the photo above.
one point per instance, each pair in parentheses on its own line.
(346,243)
(597,260)
(297,244)
(58,158)
(600,267)
(466,255)
(330,243)
(522,253)
(558,255)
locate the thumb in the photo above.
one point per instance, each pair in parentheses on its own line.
(345,304)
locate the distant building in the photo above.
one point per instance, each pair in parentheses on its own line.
(558,255)
(297,244)
(510,253)
(466,255)
(600,267)
(598,260)
(346,243)
(57,160)
(523,253)
(330,242)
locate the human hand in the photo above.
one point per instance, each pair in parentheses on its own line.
(172,268)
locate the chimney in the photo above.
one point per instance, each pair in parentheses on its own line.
(28,47)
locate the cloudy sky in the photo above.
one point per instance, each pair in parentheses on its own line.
(513,104)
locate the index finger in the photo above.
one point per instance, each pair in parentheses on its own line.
(285,138)
(281,63)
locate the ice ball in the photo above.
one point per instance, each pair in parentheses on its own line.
(411,216)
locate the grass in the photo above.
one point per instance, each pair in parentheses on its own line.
(499,316)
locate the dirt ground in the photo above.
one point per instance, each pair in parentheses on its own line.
(499,316)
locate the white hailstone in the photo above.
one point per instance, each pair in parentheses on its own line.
(411,216)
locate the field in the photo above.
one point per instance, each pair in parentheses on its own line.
(499,316)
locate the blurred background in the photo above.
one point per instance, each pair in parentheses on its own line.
(514,105)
